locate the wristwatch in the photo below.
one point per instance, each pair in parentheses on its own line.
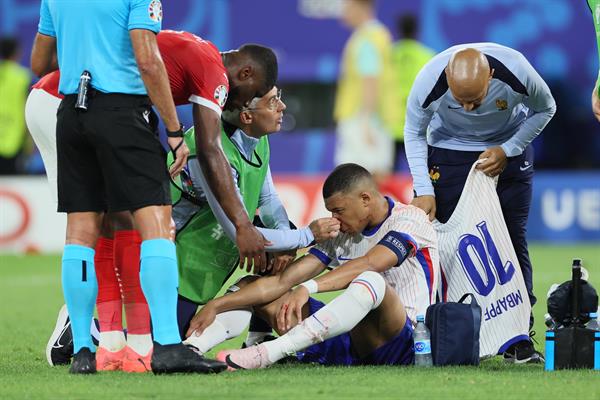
(177,133)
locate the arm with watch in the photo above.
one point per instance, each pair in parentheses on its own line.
(154,75)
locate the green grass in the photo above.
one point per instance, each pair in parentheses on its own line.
(30,297)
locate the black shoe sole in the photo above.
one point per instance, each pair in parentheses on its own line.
(188,370)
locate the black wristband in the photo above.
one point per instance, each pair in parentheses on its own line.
(178,133)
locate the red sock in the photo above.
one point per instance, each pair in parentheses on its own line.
(108,302)
(127,260)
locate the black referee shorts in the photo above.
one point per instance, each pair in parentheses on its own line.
(109,157)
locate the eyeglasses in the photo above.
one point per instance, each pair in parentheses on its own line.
(272,105)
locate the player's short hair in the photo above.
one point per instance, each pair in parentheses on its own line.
(9,46)
(407,26)
(344,178)
(266,59)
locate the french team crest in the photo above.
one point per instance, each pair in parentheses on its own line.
(155,11)
(221,95)
(434,174)
(501,104)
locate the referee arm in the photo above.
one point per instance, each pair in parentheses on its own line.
(156,80)
(43,55)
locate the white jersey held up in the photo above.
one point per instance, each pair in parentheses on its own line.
(477,257)
(416,279)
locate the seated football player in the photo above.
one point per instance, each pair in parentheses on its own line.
(386,261)
(205,237)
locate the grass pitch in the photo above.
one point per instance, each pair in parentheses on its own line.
(30,297)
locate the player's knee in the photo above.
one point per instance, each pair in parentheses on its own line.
(370,286)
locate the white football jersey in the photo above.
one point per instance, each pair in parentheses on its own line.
(416,279)
(477,257)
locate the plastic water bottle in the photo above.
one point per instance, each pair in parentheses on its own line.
(422,344)
(549,364)
(593,322)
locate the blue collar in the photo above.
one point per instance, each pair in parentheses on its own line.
(245,144)
(373,230)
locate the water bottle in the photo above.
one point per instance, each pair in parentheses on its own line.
(83,91)
(594,325)
(549,364)
(422,344)
(593,322)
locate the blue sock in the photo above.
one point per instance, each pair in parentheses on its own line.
(159,279)
(80,289)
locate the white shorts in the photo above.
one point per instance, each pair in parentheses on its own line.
(40,116)
(375,152)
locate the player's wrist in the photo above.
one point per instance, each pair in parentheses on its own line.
(176,133)
(311,286)
(242,223)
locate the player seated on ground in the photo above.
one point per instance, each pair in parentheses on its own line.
(386,259)
(205,237)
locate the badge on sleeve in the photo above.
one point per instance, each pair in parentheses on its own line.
(155,10)
(221,95)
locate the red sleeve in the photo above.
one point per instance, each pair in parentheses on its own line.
(207,78)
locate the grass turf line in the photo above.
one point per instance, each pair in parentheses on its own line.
(30,297)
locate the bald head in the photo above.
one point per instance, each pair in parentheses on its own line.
(469,74)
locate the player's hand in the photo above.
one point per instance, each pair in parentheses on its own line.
(251,245)
(596,103)
(425,203)
(324,229)
(290,313)
(279,261)
(180,154)
(495,161)
(202,320)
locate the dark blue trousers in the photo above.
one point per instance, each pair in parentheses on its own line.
(449,169)
(186,309)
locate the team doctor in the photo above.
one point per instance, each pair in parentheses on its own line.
(470,102)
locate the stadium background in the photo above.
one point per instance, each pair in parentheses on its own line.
(555,35)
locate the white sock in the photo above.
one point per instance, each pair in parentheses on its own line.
(112,340)
(141,344)
(255,337)
(227,325)
(364,294)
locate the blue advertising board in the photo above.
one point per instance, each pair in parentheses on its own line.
(565,207)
